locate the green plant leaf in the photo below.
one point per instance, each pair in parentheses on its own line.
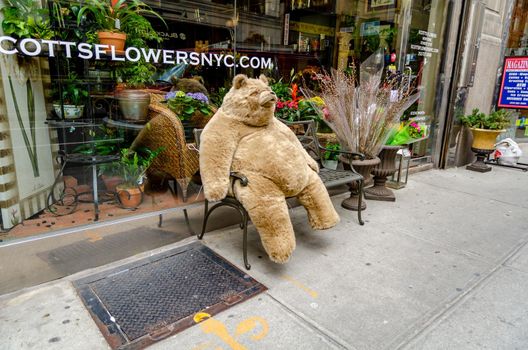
(189,110)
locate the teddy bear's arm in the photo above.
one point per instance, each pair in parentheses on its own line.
(218,143)
(293,138)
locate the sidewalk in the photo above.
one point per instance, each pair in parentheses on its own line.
(444,267)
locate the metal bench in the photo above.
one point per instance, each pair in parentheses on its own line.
(306,133)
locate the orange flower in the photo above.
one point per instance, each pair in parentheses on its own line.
(295,89)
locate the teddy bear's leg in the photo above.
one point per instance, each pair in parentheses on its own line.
(314,197)
(268,211)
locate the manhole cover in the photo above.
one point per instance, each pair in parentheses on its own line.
(143,302)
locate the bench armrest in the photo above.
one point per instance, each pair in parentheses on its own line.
(352,154)
(238,176)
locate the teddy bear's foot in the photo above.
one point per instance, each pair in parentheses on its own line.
(324,223)
(280,258)
(323,219)
(280,246)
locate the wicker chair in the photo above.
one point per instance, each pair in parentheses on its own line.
(178,160)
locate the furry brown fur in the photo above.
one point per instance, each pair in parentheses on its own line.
(244,136)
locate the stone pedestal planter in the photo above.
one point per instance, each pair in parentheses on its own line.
(483,144)
(363,167)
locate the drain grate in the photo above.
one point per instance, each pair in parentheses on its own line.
(143,302)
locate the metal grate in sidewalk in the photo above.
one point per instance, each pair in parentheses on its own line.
(143,302)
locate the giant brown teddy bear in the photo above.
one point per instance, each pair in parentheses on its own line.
(243,136)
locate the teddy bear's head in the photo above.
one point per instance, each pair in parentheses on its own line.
(194,84)
(250,100)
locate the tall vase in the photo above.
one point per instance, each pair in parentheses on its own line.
(363,167)
(386,168)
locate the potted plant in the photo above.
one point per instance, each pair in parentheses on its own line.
(70,99)
(133,101)
(104,142)
(26,19)
(485,129)
(114,19)
(133,166)
(330,159)
(192,108)
(362,115)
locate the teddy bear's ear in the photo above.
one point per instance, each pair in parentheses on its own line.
(239,80)
(263,78)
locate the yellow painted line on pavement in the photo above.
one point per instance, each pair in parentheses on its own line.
(300,285)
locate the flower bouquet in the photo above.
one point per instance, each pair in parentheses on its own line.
(407,133)
(187,105)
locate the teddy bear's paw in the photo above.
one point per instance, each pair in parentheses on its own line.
(324,224)
(280,258)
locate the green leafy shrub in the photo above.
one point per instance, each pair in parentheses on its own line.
(73,93)
(133,165)
(136,75)
(115,16)
(497,120)
(25,19)
(329,155)
(185,105)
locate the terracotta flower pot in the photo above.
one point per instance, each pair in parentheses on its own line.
(115,39)
(130,197)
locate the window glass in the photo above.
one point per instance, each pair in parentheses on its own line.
(80,116)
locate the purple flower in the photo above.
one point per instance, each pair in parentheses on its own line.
(170,95)
(198,96)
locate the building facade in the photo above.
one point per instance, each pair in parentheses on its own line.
(492,30)
(68,123)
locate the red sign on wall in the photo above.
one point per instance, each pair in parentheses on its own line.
(514,86)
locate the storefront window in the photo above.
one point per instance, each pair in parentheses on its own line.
(517,45)
(79,117)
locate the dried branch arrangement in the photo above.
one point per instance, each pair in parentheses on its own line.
(363,115)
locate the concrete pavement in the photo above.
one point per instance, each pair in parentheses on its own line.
(444,267)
